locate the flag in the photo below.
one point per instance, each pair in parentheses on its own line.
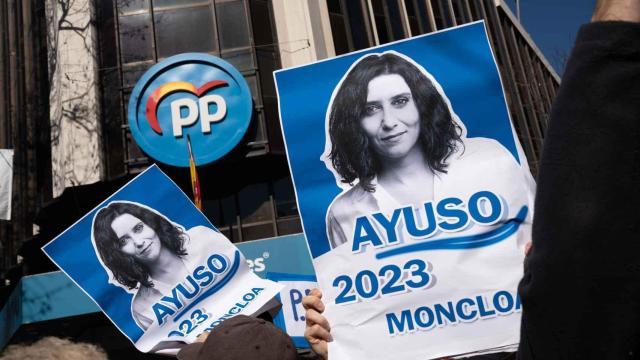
(195,183)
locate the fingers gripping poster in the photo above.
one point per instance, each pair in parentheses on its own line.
(415,196)
(156,266)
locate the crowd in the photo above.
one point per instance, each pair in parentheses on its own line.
(581,286)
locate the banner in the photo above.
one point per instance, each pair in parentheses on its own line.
(156,266)
(6,181)
(415,196)
(283,254)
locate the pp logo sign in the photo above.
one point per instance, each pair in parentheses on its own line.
(201,107)
(195,94)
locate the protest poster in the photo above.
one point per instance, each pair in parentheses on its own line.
(415,195)
(156,266)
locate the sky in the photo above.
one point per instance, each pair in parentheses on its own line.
(553,25)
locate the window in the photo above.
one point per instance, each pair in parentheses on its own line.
(136,38)
(358,24)
(234,24)
(136,34)
(381,21)
(417,15)
(173,37)
(441,14)
(461,12)
(350,25)
(255,210)
(389,23)
(341,39)
(239,31)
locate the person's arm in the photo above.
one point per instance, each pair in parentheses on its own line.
(617,10)
(581,287)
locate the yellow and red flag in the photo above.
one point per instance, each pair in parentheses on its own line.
(195,182)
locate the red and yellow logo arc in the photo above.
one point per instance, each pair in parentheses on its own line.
(170,88)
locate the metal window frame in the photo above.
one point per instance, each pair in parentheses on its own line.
(134,164)
(257,147)
(369,26)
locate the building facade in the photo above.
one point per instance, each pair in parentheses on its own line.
(67,69)
(24,120)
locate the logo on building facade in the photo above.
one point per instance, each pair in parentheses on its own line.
(192,94)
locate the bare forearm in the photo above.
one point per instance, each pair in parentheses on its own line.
(617,10)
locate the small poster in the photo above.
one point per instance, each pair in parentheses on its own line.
(415,195)
(157,267)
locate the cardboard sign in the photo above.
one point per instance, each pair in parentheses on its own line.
(416,198)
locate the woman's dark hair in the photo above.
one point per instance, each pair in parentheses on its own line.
(126,270)
(351,155)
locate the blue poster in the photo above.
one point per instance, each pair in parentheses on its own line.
(415,195)
(154,264)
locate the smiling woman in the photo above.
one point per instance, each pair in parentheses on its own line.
(136,238)
(144,253)
(394,140)
(391,121)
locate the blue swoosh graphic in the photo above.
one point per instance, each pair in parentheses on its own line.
(214,289)
(463,242)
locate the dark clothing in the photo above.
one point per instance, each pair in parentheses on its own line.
(581,287)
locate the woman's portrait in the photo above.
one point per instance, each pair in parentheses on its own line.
(145,253)
(394,140)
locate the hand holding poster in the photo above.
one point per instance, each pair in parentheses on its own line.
(291,317)
(416,203)
(156,266)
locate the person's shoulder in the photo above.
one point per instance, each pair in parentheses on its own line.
(342,210)
(347,201)
(483,152)
(144,298)
(201,231)
(491,166)
(142,302)
(481,146)
(484,158)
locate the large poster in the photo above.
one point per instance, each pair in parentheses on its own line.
(415,196)
(157,267)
